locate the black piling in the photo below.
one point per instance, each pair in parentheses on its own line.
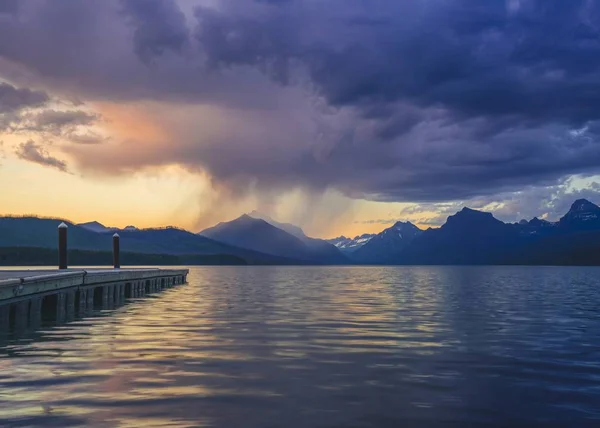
(116,251)
(62,246)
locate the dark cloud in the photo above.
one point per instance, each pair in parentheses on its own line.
(159,26)
(547,202)
(56,120)
(392,100)
(14,99)
(34,152)
(494,88)
(538,61)
(72,125)
(9,6)
(86,50)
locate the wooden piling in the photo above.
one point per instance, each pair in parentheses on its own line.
(4,317)
(61,307)
(116,251)
(35,312)
(82,301)
(62,246)
(21,315)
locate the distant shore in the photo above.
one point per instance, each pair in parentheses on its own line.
(36,256)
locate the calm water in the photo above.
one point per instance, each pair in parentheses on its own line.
(322,347)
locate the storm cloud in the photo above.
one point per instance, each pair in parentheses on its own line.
(159,26)
(14,99)
(390,100)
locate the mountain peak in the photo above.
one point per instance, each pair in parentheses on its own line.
(247,219)
(405,226)
(469,218)
(257,234)
(467,210)
(258,215)
(389,243)
(288,227)
(582,215)
(92,223)
(469,213)
(583,205)
(537,222)
(403,223)
(95,226)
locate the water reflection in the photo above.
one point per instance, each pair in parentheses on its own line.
(330,347)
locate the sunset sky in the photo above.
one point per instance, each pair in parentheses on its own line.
(341,116)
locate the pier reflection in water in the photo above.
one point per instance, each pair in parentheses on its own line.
(27,314)
(322,347)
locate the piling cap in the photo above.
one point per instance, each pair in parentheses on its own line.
(116,235)
(62,226)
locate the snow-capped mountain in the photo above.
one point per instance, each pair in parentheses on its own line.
(468,237)
(583,215)
(387,244)
(349,245)
(536,226)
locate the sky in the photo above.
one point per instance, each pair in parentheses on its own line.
(341,116)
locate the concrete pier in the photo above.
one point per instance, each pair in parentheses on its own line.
(29,296)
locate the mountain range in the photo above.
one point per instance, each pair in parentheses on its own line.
(476,237)
(350,245)
(467,237)
(260,233)
(94,226)
(385,246)
(36,232)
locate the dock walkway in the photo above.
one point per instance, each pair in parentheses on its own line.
(27,295)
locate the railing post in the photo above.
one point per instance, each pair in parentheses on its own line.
(62,246)
(116,251)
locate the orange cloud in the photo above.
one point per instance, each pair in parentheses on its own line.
(131,122)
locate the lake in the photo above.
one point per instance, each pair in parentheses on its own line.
(322,347)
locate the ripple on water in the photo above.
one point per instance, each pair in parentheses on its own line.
(325,347)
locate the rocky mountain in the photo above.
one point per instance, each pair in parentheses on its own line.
(94,226)
(583,215)
(467,237)
(41,233)
(259,235)
(476,237)
(292,229)
(350,245)
(320,247)
(536,227)
(387,246)
(97,227)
